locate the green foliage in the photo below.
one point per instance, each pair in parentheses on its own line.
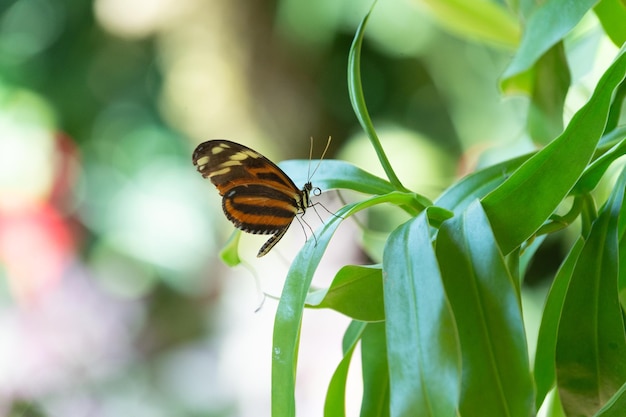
(351,280)
(424,366)
(440,321)
(590,353)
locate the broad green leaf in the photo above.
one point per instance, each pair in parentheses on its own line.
(291,305)
(421,338)
(615,406)
(526,256)
(289,317)
(621,284)
(334,174)
(550,86)
(553,407)
(615,114)
(545,368)
(591,344)
(594,172)
(512,261)
(438,215)
(520,205)
(356,291)
(375,372)
(357,99)
(482,20)
(546,26)
(496,378)
(611,138)
(588,214)
(612,15)
(479,184)
(335,405)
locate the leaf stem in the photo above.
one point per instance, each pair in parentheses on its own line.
(357,99)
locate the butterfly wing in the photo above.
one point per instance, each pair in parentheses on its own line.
(258,197)
(228,164)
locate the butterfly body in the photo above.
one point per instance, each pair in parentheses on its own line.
(257,196)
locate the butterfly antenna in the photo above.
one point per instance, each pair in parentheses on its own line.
(321,158)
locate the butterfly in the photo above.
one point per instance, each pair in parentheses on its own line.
(257,196)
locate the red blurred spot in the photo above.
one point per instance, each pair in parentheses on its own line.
(35,247)
(36,241)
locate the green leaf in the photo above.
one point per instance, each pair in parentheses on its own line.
(421,338)
(615,406)
(375,372)
(230,252)
(612,15)
(357,99)
(356,291)
(478,184)
(335,405)
(438,215)
(553,407)
(615,113)
(611,137)
(550,86)
(333,174)
(545,370)
(289,317)
(526,256)
(546,26)
(594,172)
(291,305)
(519,206)
(496,378)
(621,284)
(482,20)
(591,344)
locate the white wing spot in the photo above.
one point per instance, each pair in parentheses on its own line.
(252,154)
(239,156)
(202,161)
(219,172)
(218,149)
(230,163)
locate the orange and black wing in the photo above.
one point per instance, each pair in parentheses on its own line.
(258,197)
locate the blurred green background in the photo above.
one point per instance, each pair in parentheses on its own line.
(113,300)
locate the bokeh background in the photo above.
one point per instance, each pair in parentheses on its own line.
(113,299)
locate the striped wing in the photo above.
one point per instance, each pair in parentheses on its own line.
(258,197)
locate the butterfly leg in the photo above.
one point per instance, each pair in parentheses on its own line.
(300,218)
